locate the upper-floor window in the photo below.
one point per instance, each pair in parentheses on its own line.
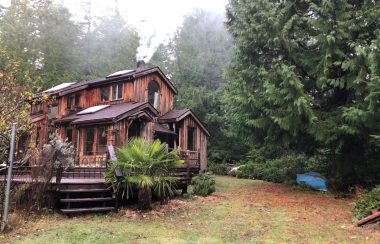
(104,93)
(73,101)
(154,94)
(117,91)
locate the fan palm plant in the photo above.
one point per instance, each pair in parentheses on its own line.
(146,166)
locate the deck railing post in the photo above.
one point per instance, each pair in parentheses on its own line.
(8,188)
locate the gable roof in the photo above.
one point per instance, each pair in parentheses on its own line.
(123,76)
(162,129)
(110,114)
(178,115)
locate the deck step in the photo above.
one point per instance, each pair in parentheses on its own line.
(93,199)
(84,190)
(87,210)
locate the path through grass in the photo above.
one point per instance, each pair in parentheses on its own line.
(241,211)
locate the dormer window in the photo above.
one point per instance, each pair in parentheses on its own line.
(117,91)
(154,94)
(104,94)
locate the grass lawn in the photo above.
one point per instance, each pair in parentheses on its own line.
(241,211)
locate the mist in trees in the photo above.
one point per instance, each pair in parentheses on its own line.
(53,48)
(195,60)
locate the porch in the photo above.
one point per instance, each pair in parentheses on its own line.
(83,189)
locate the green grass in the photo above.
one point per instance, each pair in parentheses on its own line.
(241,211)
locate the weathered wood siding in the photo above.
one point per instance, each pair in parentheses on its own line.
(200,139)
(166,94)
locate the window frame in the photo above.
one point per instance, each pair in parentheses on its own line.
(67,129)
(86,144)
(152,91)
(118,94)
(101,93)
(100,150)
(193,138)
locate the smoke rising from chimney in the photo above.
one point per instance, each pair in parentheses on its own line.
(148,45)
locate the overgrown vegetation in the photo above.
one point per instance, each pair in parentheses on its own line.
(305,80)
(282,169)
(55,157)
(203,184)
(146,166)
(369,201)
(217,168)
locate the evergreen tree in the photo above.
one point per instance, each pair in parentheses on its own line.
(41,36)
(195,59)
(305,78)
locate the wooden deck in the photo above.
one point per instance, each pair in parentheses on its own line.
(29,179)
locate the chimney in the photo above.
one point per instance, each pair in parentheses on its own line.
(140,65)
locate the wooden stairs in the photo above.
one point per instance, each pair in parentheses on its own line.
(85,198)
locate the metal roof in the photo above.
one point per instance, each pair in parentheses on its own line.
(123,76)
(112,113)
(178,115)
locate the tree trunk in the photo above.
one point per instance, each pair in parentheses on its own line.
(145,198)
(58,175)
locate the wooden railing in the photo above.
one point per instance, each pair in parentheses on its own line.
(92,161)
(85,173)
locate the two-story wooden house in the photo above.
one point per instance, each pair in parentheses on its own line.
(107,111)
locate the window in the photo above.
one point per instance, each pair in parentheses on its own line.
(89,140)
(104,94)
(53,112)
(69,134)
(70,102)
(117,91)
(101,145)
(134,129)
(36,108)
(77,100)
(117,133)
(190,138)
(38,134)
(154,94)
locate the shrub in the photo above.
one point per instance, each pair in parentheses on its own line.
(369,201)
(218,169)
(280,170)
(146,166)
(203,184)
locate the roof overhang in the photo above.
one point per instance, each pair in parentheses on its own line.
(186,113)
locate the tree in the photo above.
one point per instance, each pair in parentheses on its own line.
(110,47)
(195,59)
(13,105)
(43,38)
(305,78)
(147,166)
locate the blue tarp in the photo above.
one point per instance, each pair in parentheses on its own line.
(312,179)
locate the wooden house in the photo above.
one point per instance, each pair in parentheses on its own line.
(107,111)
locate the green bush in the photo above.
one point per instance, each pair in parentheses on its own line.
(369,201)
(217,168)
(280,170)
(203,184)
